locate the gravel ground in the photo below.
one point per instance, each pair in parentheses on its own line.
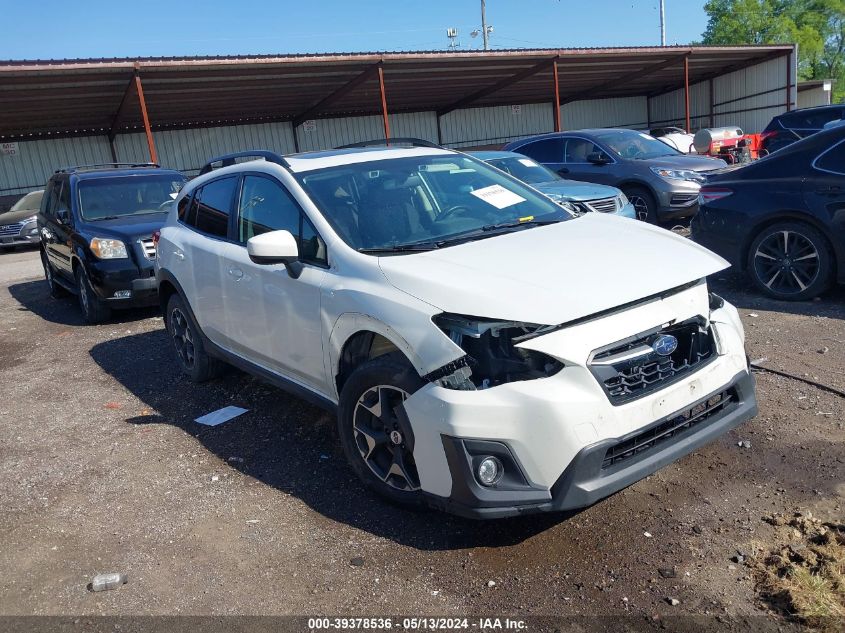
(102,469)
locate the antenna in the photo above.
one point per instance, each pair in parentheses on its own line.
(452,34)
(662,23)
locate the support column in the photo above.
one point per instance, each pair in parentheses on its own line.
(789,81)
(383,104)
(556,102)
(145,117)
(686,92)
(712,106)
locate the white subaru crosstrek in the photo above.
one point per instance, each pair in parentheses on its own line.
(487,352)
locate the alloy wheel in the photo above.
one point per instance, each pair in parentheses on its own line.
(787,262)
(380,439)
(183,337)
(84,299)
(640,207)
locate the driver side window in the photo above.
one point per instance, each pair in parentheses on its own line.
(578,149)
(265,205)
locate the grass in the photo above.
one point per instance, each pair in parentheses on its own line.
(805,579)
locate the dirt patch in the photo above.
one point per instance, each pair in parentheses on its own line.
(803,575)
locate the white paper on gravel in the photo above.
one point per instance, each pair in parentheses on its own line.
(220,416)
(498,196)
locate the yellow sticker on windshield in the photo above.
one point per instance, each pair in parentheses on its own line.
(527,218)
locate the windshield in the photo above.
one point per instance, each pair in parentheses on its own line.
(119,196)
(31,202)
(525,169)
(424,202)
(635,145)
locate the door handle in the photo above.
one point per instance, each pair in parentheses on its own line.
(179,255)
(833,190)
(237,273)
(563,170)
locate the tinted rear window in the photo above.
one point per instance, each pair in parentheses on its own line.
(810,119)
(214,206)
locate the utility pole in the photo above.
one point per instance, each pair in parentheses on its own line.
(662,22)
(484,26)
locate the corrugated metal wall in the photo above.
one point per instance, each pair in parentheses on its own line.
(767,81)
(29,169)
(616,112)
(475,127)
(814,97)
(669,108)
(328,133)
(187,150)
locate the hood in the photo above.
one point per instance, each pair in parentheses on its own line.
(127,226)
(553,274)
(12,217)
(577,191)
(686,161)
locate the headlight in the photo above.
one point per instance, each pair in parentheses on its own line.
(623,200)
(104,248)
(31,219)
(678,174)
(564,202)
(492,356)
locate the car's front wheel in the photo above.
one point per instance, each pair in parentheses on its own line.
(193,358)
(94,310)
(791,261)
(643,202)
(374,430)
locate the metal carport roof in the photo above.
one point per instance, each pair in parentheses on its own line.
(106,96)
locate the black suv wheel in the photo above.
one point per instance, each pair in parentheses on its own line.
(376,436)
(93,309)
(56,290)
(791,261)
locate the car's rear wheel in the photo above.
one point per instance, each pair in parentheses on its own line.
(193,358)
(55,289)
(791,261)
(643,202)
(374,430)
(93,309)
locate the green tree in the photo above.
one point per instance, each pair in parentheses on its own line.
(817,26)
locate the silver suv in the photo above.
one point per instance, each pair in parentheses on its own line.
(661,182)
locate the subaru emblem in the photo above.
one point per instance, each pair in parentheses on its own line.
(665,344)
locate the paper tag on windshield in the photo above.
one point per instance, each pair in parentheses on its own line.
(498,196)
(527,162)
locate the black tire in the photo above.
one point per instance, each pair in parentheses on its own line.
(56,291)
(93,309)
(380,448)
(643,202)
(791,261)
(191,355)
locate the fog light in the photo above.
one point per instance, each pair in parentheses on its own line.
(122,294)
(489,470)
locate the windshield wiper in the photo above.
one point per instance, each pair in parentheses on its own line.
(491,230)
(517,223)
(401,248)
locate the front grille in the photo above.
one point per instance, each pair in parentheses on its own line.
(631,368)
(603,205)
(149,248)
(669,429)
(10,229)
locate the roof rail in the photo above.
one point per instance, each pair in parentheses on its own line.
(402,141)
(69,170)
(229,159)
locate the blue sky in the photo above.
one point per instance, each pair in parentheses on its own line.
(52,29)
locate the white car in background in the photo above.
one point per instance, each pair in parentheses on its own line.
(675,137)
(487,352)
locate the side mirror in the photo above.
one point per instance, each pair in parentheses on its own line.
(63,216)
(275,247)
(598,158)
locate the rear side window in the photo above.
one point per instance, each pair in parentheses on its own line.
(213,206)
(545,151)
(833,159)
(51,197)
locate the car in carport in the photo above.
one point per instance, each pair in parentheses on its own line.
(661,182)
(18,226)
(579,197)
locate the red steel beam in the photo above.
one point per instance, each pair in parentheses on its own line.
(383,103)
(504,83)
(139,88)
(686,91)
(556,103)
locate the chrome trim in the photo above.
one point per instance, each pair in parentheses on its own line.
(827,171)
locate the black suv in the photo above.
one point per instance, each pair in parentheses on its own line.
(789,127)
(96,224)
